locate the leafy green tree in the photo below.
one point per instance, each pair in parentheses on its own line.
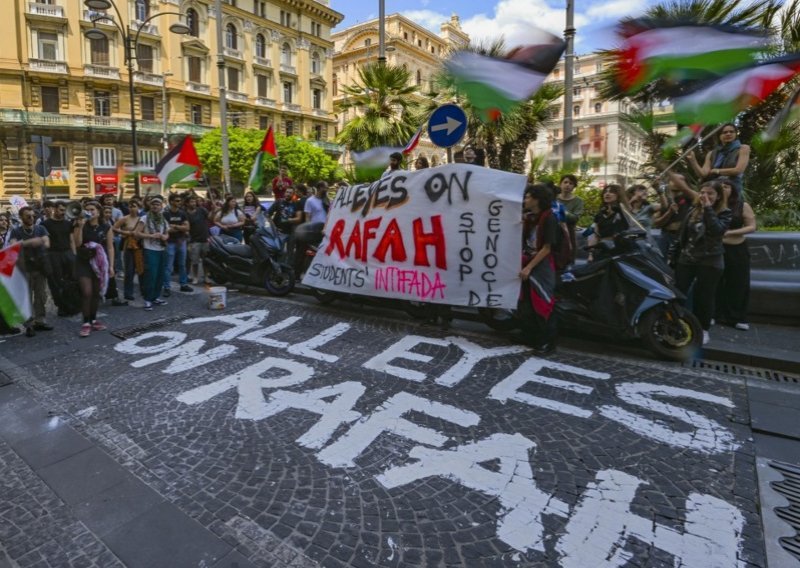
(386,107)
(307,163)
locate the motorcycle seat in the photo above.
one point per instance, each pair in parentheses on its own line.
(243,251)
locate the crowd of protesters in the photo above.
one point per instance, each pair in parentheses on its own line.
(700,231)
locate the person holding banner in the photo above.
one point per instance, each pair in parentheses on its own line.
(538,272)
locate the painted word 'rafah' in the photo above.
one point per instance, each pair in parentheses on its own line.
(712,526)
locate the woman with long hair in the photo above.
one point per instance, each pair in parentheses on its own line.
(538,272)
(94,263)
(733,291)
(729,158)
(701,260)
(250,209)
(230,219)
(132,256)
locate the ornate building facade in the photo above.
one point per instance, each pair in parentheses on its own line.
(408,44)
(56,82)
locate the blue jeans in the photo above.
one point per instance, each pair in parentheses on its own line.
(176,249)
(153,273)
(118,253)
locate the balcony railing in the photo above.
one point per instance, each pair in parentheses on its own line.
(148,78)
(89,15)
(288,69)
(16,116)
(236,96)
(264,101)
(291,107)
(198,87)
(48,66)
(51,10)
(320,112)
(263,61)
(101,71)
(147,28)
(235,53)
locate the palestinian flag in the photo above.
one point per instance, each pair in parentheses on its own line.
(789,113)
(722,100)
(651,51)
(493,85)
(256,181)
(370,164)
(681,139)
(15,300)
(413,142)
(178,164)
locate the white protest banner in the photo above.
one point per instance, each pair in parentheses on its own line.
(446,235)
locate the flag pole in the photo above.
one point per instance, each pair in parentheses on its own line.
(689,149)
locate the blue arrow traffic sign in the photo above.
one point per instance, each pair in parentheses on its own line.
(447,125)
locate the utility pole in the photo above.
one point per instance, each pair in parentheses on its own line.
(165,112)
(382,32)
(569,69)
(223,103)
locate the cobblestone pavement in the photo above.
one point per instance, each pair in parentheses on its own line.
(310,436)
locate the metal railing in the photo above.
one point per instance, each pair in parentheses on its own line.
(101,71)
(198,87)
(52,10)
(48,66)
(147,28)
(149,78)
(264,101)
(89,15)
(17,116)
(236,96)
(291,107)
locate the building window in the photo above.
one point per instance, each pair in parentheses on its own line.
(318,132)
(260,8)
(316,65)
(233,79)
(286,54)
(195,65)
(285,18)
(231,39)
(419,77)
(405,35)
(419,43)
(149,158)
(197,114)
(144,57)
(576,91)
(104,157)
(99,51)
(289,124)
(193,22)
(576,110)
(59,159)
(148,107)
(316,98)
(262,85)
(287,92)
(598,67)
(261,46)
(335,85)
(367,42)
(316,29)
(142,8)
(598,107)
(50,99)
(263,122)
(102,103)
(48,46)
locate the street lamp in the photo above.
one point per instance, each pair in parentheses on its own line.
(130,40)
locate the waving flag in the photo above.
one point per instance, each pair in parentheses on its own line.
(256,181)
(652,51)
(681,138)
(178,164)
(413,142)
(722,100)
(371,163)
(493,85)
(789,113)
(15,300)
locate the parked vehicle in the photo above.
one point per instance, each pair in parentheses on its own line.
(261,264)
(628,291)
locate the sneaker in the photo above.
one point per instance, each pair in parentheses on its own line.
(86,329)
(148,307)
(194,281)
(706,337)
(713,321)
(42,326)
(116,302)
(187,288)
(160,302)
(743,326)
(167,292)
(97,325)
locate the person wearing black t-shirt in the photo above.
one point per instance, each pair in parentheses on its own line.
(176,245)
(92,238)
(61,255)
(286,215)
(198,239)
(35,242)
(538,272)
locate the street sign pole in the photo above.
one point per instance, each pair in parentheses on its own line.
(42,167)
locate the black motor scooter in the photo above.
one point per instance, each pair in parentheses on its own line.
(258,264)
(628,291)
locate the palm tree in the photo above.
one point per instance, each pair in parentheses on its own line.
(506,139)
(386,109)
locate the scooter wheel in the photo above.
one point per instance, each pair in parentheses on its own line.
(670,338)
(324,297)
(280,282)
(500,320)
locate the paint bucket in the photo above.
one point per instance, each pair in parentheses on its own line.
(217,296)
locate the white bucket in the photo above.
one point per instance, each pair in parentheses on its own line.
(217,296)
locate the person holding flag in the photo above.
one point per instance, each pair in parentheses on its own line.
(178,164)
(35,241)
(728,159)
